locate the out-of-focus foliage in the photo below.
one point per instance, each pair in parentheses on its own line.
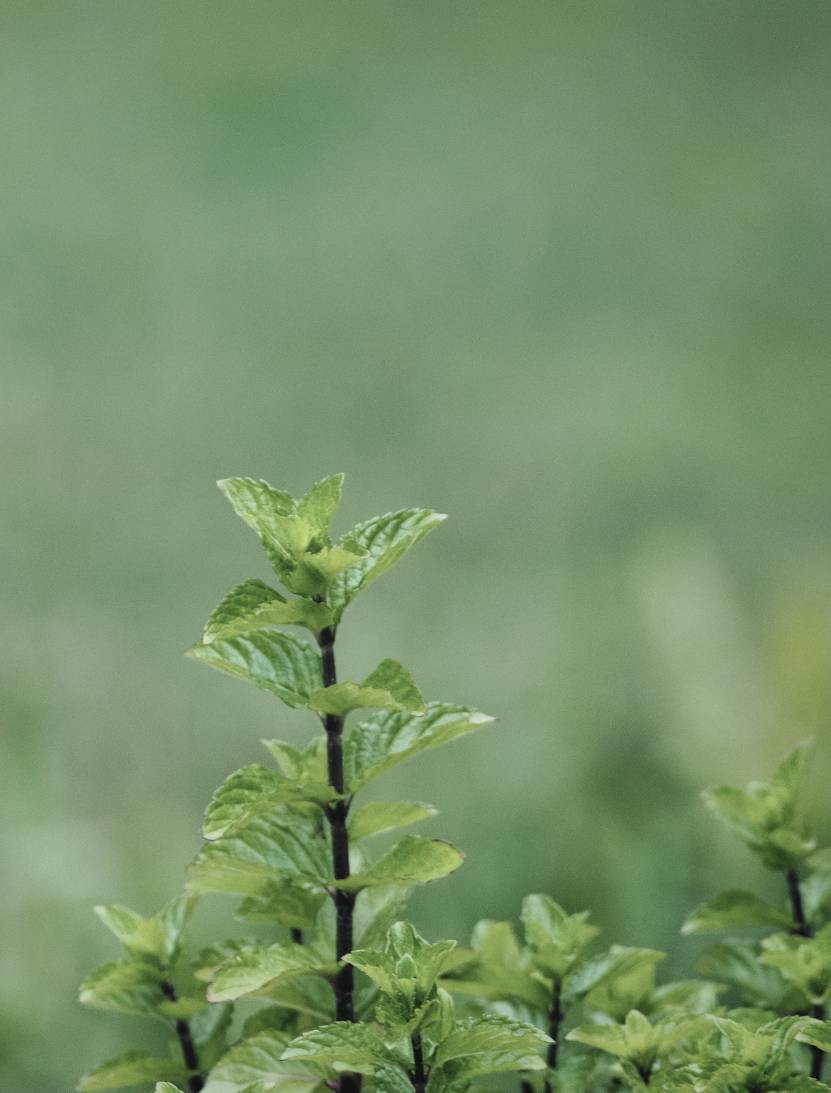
(559,270)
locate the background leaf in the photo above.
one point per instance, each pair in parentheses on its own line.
(734,908)
(130,1069)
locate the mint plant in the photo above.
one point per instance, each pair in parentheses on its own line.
(789,971)
(345,993)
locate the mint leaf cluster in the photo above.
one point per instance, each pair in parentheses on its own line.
(344,994)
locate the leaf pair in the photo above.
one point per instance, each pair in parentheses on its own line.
(472,1048)
(286,972)
(285,867)
(411,1004)
(270,853)
(290,668)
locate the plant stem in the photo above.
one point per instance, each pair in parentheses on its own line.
(802,927)
(337,814)
(419,1075)
(555,1017)
(195,1082)
(296,935)
(800,923)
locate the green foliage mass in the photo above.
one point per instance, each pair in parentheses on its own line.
(346,993)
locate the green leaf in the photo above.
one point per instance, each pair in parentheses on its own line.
(618,962)
(286,902)
(556,940)
(318,568)
(270,659)
(617,1039)
(392,1079)
(257,968)
(255,501)
(253,605)
(738,964)
(632,989)
(266,852)
(343,1046)
(376,817)
(804,962)
(269,1019)
(255,791)
(497,969)
(638,1040)
(132,1068)
(389,737)
(166,1087)
(300,764)
(308,994)
(257,1059)
(210,959)
(386,539)
(375,912)
(413,860)
(817,1033)
(487,1045)
(396,680)
(242,601)
(295,535)
(693,995)
(157,936)
(734,908)
(321,502)
(407,967)
(125,986)
(816,887)
(272,514)
(390,686)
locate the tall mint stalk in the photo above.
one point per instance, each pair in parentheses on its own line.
(343,991)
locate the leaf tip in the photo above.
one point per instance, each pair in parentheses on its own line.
(478,718)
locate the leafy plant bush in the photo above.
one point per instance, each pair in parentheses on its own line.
(291,843)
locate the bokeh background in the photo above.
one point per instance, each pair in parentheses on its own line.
(558,269)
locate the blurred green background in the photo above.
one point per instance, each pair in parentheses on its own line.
(558,269)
